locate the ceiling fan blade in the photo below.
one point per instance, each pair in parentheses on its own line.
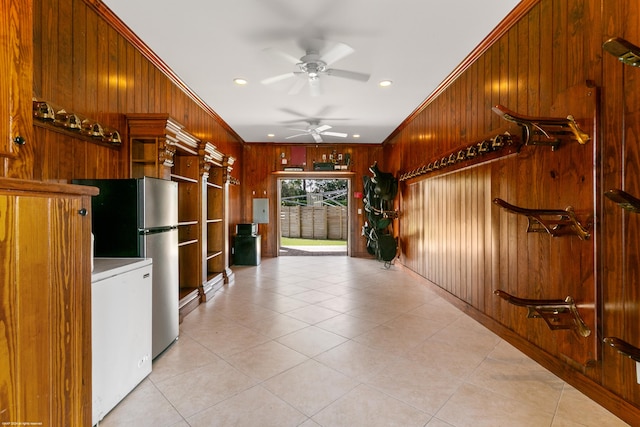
(298,85)
(275,79)
(296,135)
(316,137)
(348,74)
(283,55)
(322,128)
(338,134)
(314,87)
(336,53)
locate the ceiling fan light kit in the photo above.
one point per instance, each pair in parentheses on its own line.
(313,65)
(316,132)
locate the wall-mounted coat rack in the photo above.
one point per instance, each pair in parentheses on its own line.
(58,119)
(558,314)
(626,52)
(556,222)
(624,199)
(475,153)
(548,131)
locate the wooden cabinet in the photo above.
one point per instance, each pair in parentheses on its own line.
(45,303)
(160,147)
(152,144)
(16,69)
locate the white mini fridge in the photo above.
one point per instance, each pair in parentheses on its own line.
(120,329)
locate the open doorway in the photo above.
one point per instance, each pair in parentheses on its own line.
(314,216)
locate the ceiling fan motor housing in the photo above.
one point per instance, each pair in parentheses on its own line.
(312,65)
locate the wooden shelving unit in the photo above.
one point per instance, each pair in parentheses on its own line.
(215,235)
(161,148)
(186,173)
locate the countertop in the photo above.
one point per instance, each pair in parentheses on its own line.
(104,268)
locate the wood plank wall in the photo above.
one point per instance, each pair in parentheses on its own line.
(452,234)
(83,64)
(450,231)
(261,160)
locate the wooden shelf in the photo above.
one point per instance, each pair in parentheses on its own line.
(76,134)
(183,178)
(188,242)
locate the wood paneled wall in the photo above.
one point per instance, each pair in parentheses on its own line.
(450,231)
(83,64)
(261,160)
(550,63)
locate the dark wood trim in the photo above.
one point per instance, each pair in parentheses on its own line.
(501,29)
(116,23)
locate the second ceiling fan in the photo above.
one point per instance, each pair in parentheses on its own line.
(313,65)
(316,131)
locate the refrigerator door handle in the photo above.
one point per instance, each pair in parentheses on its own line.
(155,230)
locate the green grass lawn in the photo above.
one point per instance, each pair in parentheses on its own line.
(289,241)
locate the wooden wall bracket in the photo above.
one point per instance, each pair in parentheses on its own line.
(556,222)
(624,199)
(548,131)
(624,348)
(558,314)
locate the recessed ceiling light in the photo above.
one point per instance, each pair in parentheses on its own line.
(356,135)
(271,135)
(240,81)
(385,83)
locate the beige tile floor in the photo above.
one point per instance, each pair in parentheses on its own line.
(338,341)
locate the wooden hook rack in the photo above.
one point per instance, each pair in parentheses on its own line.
(487,149)
(548,131)
(556,222)
(624,348)
(558,314)
(624,199)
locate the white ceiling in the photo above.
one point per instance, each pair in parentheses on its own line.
(414,43)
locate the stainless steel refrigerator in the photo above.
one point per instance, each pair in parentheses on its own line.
(138,217)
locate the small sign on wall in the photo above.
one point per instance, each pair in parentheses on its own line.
(261,211)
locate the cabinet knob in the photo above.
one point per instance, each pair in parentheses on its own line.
(19,140)
(83,212)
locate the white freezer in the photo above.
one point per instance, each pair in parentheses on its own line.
(121,320)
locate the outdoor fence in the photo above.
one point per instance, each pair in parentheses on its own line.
(309,222)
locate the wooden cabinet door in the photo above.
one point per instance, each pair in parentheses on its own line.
(16,69)
(45,306)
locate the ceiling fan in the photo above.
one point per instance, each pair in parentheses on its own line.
(316,131)
(313,65)
(321,116)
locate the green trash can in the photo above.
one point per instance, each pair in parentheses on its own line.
(246,250)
